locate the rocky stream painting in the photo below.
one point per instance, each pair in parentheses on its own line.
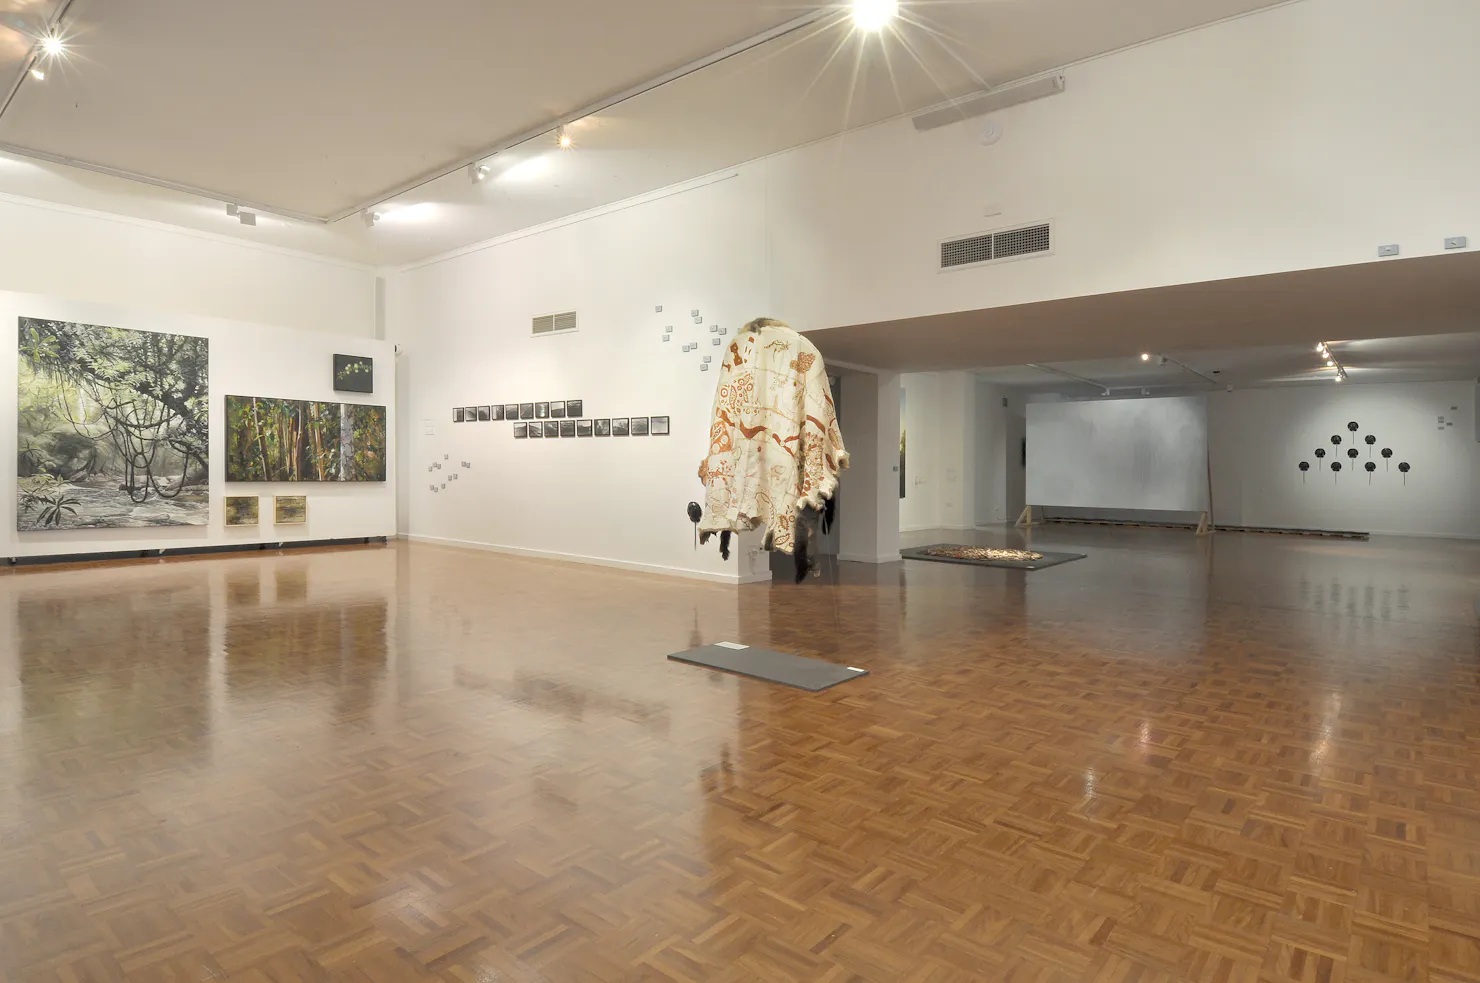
(112,427)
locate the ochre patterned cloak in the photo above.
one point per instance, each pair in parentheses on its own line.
(774,444)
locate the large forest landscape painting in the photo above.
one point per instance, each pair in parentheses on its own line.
(112,427)
(303,440)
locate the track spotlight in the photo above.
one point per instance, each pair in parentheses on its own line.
(477,173)
(1145,356)
(562,139)
(53,46)
(370,217)
(874,15)
(38,74)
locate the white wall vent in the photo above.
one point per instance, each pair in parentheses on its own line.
(992,247)
(553,323)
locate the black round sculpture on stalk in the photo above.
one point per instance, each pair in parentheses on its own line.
(1353,426)
(1304,467)
(1371,466)
(1351,452)
(1336,439)
(1335,470)
(1387,455)
(1405,469)
(1320,452)
(1370,439)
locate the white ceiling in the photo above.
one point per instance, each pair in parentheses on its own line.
(1426,358)
(320,107)
(1428,295)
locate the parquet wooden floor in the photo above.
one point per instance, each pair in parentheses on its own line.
(1177,760)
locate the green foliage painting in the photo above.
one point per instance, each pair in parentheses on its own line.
(301,440)
(112,427)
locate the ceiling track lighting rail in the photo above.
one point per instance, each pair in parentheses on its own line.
(1168,360)
(1104,389)
(553,127)
(1323,349)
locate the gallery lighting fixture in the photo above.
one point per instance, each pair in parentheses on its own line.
(244,217)
(562,139)
(52,46)
(38,74)
(1145,356)
(370,217)
(1324,350)
(477,173)
(874,15)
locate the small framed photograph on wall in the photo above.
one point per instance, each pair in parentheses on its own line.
(574,407)
(498,412)
(536,430)
(485,413)
(603,428)
(567,428)
(470,414)
(526,411)
(541,411)
(557,409)
(511,411)
(583,428)
(619,426)
(639,426)
(521,431)
(552,428)
(457,414)
(658,426)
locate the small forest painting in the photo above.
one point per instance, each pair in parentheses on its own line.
(302,440)
(241,510)
(290,510)
(112,427)
(354,374)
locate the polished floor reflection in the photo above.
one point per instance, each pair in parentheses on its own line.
(1219,760)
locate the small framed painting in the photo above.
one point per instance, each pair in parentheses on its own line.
(583,428)
(619,426)
(241,510)
(511,411)
(639,426)
(536,430)
(603,428)
(658,426)
(457,414)
(574,407)
(485,413)
(552,428)
(354,374)
(290,510)
(557,409)
(567,428)
(526,411)
(498,412)
(541,411)
(521,431)
(470,414)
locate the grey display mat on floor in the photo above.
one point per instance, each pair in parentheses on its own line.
(1049,559)
(773,667)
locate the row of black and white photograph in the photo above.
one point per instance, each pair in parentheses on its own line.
(557,409)
(622,426)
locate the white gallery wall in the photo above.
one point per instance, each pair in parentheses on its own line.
(60,251)
(1258,437)
(245,360)
(464,329)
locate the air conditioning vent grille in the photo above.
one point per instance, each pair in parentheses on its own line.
(553,323)
(964,252)
(992,246)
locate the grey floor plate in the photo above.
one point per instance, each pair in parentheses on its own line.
(773,667)
(1049,559)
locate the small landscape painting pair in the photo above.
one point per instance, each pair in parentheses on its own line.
(288,510)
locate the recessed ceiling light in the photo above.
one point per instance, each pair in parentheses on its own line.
(874,15)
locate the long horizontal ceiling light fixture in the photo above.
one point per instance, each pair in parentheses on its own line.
(989,102)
